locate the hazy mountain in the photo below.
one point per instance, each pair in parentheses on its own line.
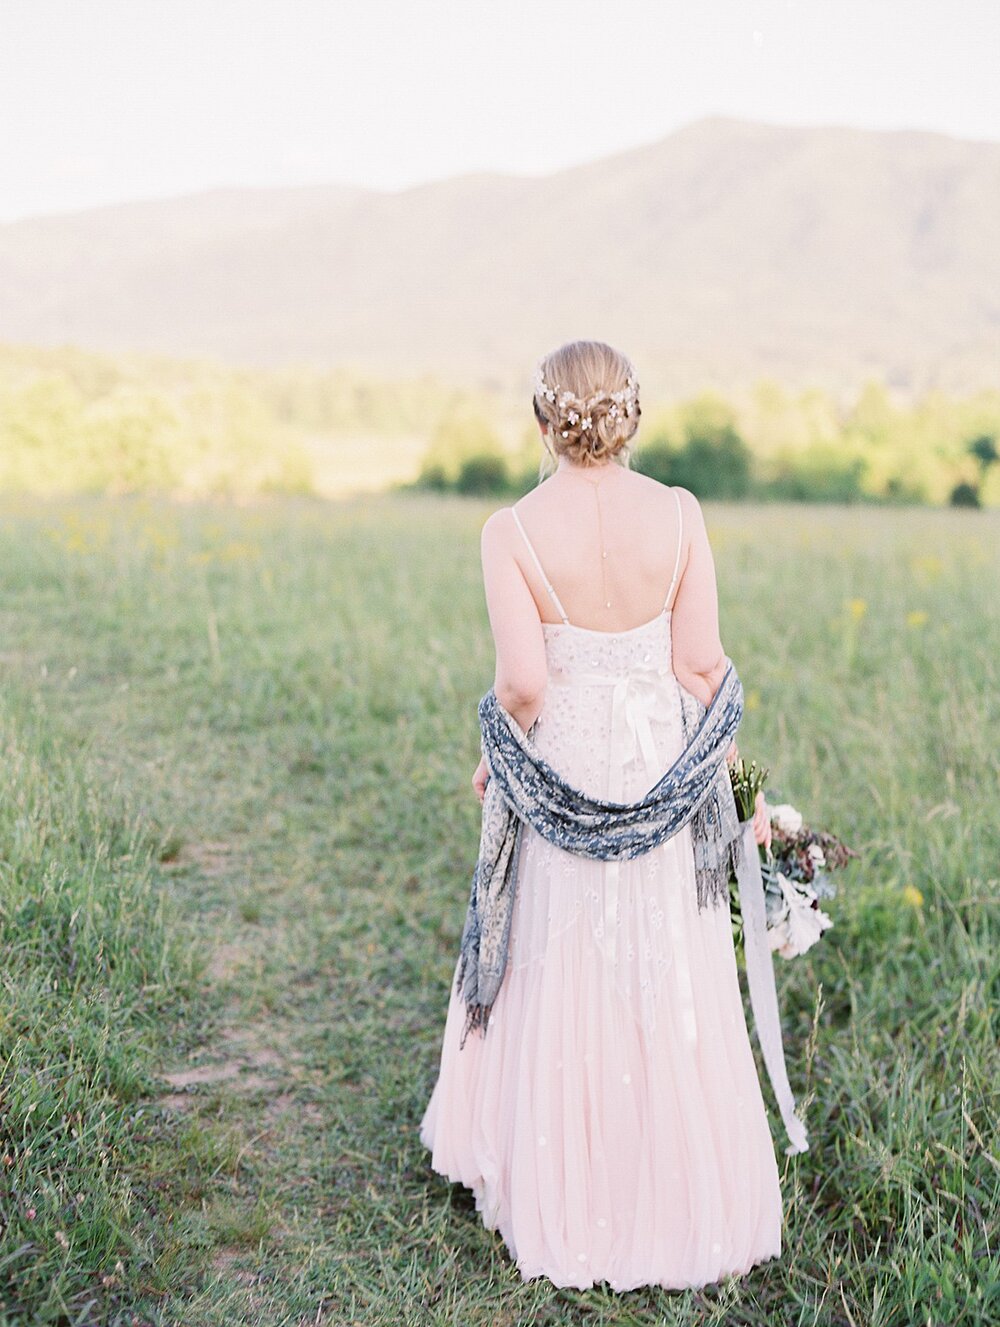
(725,252)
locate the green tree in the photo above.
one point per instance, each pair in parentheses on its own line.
(984,449)
(714,465)
(712,459)
(657,459)
(821,474)
(873,415)
(964,495)
(432,476)
(483,475)
(461,435)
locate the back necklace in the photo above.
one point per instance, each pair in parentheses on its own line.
(595,484)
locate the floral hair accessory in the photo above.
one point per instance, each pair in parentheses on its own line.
(623,402)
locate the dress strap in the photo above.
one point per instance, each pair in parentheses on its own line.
(548,584)
(677,560)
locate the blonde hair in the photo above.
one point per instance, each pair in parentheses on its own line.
(591,409)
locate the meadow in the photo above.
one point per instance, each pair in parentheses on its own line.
(236,837)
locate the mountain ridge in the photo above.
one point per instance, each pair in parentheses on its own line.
(726,251)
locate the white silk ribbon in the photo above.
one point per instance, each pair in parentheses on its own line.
(634,700)
(763,995)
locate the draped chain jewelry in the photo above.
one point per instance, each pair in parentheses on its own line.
(572,413)
(595,484)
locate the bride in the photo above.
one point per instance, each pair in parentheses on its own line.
(611,1126)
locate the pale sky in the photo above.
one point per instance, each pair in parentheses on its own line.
(107,100)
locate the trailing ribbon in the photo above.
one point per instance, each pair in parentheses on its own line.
(760,980)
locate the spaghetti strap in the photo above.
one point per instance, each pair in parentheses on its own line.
(548,584)
(677,560)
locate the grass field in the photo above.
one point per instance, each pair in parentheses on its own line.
(236,837)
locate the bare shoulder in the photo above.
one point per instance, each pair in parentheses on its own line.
(540,497)
(664,494)
(694,517)
(496,529)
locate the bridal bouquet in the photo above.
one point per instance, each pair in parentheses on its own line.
(795,869)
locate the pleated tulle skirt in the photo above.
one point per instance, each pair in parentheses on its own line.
(610,1122)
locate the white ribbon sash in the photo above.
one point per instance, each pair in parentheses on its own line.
(763,995)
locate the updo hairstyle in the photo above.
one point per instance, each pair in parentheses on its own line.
(587,394)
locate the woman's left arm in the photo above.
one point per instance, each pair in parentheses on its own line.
(521,669)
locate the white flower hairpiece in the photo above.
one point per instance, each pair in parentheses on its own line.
(623,401)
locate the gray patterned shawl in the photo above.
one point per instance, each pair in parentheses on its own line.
(524,788)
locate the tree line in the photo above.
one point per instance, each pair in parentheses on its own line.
(73,420)
(938,451)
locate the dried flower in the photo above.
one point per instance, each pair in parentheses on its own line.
(786,818)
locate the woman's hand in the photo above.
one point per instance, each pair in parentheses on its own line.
(480,777)
(762,821)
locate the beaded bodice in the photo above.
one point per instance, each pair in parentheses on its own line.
(611,719)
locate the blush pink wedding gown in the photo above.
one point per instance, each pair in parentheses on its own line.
(610,1123)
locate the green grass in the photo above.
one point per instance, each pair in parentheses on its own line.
(236,835)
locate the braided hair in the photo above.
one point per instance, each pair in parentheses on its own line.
(587,395)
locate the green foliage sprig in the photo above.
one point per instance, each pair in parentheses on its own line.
(747,781)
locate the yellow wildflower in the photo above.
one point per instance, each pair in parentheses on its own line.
(858,607)
(913,896)
(916,617)
(752,700)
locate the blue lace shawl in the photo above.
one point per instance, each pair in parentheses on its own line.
(524,788)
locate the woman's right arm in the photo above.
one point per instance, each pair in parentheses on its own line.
(699,659)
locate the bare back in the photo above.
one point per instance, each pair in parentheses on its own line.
(621,537)
(546,563)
